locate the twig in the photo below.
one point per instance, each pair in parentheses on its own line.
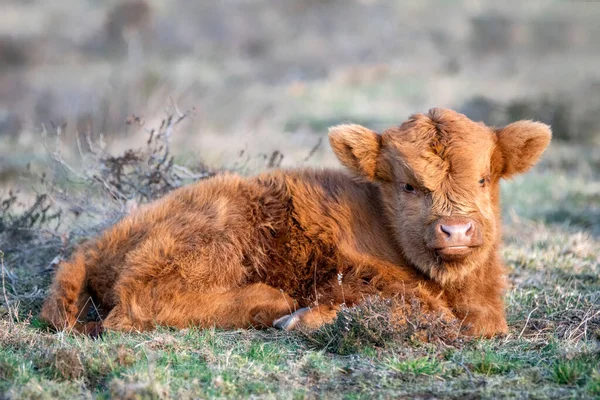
(10,314)
(58,158)
(79,148)
(184,173)
(585,321)
(313,150)
(171,123)
(526,322)
(468,372)
(176,108)
(113,191)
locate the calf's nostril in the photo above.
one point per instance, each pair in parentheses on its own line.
(446,229)
(469,229)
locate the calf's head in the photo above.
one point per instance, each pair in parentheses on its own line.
(439,179)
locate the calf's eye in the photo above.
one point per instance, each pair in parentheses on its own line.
(409,188)
(482,181)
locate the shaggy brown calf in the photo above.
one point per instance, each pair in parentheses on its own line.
(418,217)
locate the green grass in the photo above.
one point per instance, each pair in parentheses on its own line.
(575,371)
(494,363)
(423,366)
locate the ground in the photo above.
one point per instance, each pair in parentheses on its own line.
(267,80)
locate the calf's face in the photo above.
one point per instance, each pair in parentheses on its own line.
(439,179)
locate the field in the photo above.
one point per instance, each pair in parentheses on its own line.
(250,85)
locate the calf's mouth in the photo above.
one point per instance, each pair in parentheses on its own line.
(454,253)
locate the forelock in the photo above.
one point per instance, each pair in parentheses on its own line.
(444,150)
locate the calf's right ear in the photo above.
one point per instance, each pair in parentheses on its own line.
(358,148)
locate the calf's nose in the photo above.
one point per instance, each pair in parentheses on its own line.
(457,232)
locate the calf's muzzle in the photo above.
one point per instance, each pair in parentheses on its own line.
(455,237)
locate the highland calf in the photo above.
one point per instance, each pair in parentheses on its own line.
(419,217)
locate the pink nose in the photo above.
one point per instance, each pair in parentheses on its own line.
(457,234)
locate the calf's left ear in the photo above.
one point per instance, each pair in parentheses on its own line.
(520,146)
(358,148)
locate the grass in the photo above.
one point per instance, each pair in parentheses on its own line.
(423,366)
(494,363)
(574,371)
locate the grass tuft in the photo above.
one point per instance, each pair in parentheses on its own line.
(382,323)
(418,366)
(494,363)
(575,371)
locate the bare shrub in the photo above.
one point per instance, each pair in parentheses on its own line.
(17,225)
(134,177)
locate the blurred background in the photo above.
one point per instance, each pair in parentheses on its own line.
(264,76)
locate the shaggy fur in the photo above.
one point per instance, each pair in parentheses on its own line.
(237,252)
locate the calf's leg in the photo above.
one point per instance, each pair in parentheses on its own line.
(256,305)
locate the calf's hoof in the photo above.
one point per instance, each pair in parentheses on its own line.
(290,322)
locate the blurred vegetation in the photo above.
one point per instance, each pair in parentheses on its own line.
(265,71)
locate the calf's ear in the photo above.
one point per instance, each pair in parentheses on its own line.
(358,148)
(520,146)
